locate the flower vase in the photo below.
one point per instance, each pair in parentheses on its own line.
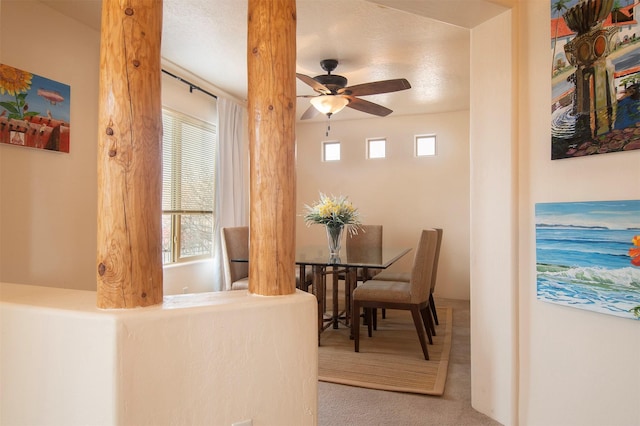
(334,236)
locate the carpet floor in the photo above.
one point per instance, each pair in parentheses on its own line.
(392,359)
(355,406)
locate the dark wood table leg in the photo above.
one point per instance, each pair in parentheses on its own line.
(336,314)
(352,281)
(318,289)
(302,283)
(351,276)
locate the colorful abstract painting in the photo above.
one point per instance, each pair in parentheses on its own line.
(34,111)
(595,77)
(588,255)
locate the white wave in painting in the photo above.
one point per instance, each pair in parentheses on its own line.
(612,291)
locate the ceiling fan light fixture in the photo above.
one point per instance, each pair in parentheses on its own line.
(329,104)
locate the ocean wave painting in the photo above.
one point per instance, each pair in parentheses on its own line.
(584,255)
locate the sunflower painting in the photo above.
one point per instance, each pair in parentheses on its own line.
(34,111)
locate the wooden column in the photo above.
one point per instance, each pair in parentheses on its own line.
(129,255)
(271,61)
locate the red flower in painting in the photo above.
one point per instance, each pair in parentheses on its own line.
(634,252)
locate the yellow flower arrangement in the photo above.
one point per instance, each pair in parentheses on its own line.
(333,212)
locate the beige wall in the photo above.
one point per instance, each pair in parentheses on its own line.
(403,193)
(49,203)
(535,363)
(577,367)
(494,227)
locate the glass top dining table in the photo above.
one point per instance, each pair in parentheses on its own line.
(366,257)
(346,264)
(369,257)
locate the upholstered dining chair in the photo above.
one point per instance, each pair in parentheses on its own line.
(235,245)
(367,242)
(412,296)
(406,276)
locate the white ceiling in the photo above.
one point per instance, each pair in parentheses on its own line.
(425,41)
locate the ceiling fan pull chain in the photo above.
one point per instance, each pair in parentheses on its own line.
(328,124)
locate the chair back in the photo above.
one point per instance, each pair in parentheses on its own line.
(367,242)
(365,247)
(235,245)
(423,266)
(436,259)
(370,235)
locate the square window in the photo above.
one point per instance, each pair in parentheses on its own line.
(425,145)
(376,148)
(331,151)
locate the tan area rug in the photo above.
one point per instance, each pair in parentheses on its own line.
(392,359)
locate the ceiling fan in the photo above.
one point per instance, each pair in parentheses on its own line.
(334,94)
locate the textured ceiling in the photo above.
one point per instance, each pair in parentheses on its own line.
(425,41)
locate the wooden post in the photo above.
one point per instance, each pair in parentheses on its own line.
(271,61)
(129,255)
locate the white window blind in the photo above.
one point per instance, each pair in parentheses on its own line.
(188,187)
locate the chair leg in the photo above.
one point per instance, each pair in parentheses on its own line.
(355,326)
(428,324)
(433,309)
(347,299)
(350,284)
(428,320)
(374,317)
(384,313)
(431,321)
(369,314)
(417,321)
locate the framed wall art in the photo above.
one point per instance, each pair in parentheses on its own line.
(34,111)
(588,255)
(595,77)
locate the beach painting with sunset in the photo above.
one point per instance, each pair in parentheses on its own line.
(34,110)
(588,255)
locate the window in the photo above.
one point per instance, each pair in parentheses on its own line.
(376,148)
(188,183)
(425,145)
(331,151)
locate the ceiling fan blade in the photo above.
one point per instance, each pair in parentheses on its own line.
(376,87)
(368,107)
(309,113)
(318,87)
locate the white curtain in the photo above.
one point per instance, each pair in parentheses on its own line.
(231,188)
